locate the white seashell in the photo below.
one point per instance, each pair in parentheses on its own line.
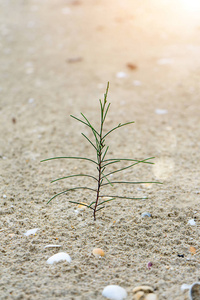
(31,231)
(194,291)
(192,222)
(81,206)
(145,214)
(62,256)
(52,246)
(114,292)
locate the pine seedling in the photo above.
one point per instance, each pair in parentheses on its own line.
(101,163)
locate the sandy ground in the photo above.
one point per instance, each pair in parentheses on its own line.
(56,58)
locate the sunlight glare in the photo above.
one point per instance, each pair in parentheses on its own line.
(191,5)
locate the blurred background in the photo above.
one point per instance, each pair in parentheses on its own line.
(58,55)
(69,43)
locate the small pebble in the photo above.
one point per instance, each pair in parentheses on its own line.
(180,255)
(98,252)
(114,292)
(131,66)
(4,196)
(149,265)
(62,256)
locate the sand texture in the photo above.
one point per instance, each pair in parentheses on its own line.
(56,59)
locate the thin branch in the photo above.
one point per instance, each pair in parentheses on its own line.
(93,202)
(92,128)
(118,126)
(106,201)
(104,176)
(105,153)
(76,188)
(74,176)
(89,125)
(89,141)
(101,110)
(130,159)
(84,123)
(106,93)
(71,157)
(112,162)
(106,112)
(123,197)
(131,182)
(124,168)
(100,208)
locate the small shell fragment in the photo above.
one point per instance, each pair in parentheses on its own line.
(139,295)
(192,222)
(82,205)
(193,250)
(52,246)
(144,292)
(98,252)
(62,256)
(185,286)
(145,214)
(114,292)
(149,265)
(144,288)
(142,296)
(194,291)
(31,231)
